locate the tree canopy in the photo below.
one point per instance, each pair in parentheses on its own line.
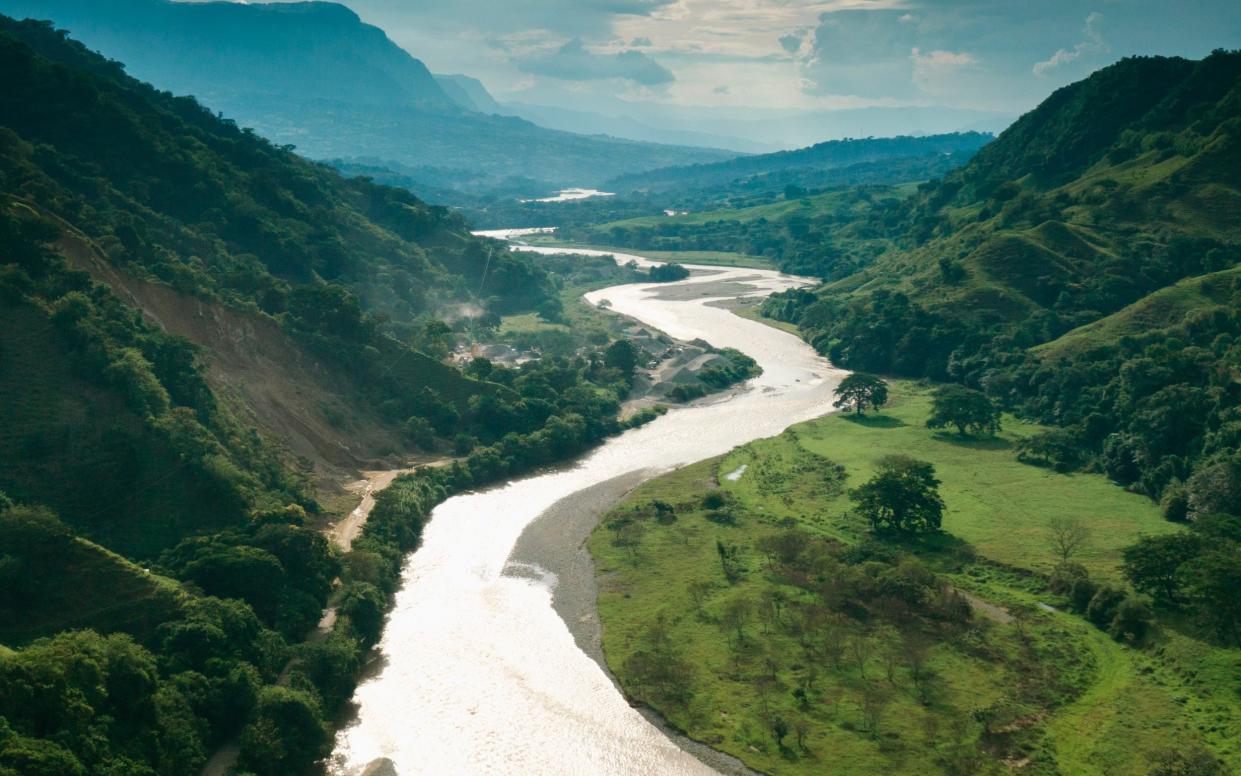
(969,410)
(902,497)
(859,391)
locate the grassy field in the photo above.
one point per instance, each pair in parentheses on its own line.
(1058,695)
(995,503)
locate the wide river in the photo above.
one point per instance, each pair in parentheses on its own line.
(479,672)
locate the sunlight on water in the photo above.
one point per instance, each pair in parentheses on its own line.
(480,674)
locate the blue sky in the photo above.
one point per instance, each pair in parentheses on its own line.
(795,54)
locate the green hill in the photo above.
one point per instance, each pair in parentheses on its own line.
(799,167)
(1114,189)
(201,336)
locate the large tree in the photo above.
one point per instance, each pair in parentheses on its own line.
(1154,564)
(969,410)
(859,391)
(902,497)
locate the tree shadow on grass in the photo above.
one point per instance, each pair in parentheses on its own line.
(940,544)
(973,442)
(874,421)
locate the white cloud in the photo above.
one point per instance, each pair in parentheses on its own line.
(1092,44)
(936,72)
(574,62)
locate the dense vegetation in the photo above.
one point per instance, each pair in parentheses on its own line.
(768,616)
(1081,268)
(827,235)
(159,567)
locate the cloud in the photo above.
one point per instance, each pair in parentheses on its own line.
(1093,43)
(935,71)
(574,62)
(640,42)
(860,52)
(721,90)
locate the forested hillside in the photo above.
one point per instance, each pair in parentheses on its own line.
(805,166)
(196,328)
(1095,204)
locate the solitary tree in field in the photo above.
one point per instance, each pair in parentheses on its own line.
(1067,535)
(902,497)
(859,391)
(969,410)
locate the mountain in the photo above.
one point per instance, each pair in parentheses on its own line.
(314,76)
(830,155)
(470,94)
(218,50)
(1080,268)
(202,337)
(301,286)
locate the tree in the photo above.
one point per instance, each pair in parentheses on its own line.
(1153,565)
(969,410)
(1215,487)
(1067,535)
(286,735)
(859,391)
(902,497)
(735,616)
(1133,620)
(1215,578)
(622,355)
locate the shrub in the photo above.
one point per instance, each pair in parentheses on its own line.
(1080,595)
(1133,620)
(1104,604)
(1065,576)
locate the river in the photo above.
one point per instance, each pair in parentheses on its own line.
(478,672)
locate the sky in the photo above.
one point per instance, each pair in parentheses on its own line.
(760,59)
(796,54)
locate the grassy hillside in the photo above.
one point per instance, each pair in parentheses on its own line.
(806,659)
(996,504)
(1165,309)
(1115,197)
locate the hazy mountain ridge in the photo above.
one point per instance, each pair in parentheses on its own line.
(828,155)
(313,75)
(312,50)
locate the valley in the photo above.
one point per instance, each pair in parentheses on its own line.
(353,424)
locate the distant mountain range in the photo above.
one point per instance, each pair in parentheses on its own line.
(315,76)
(800,166)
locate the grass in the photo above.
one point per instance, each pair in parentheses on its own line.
(1091,705)
(1165,308)
(995,503)
(91,587)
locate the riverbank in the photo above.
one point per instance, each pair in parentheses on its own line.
(1019,682)
(501,683)
(555,544)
